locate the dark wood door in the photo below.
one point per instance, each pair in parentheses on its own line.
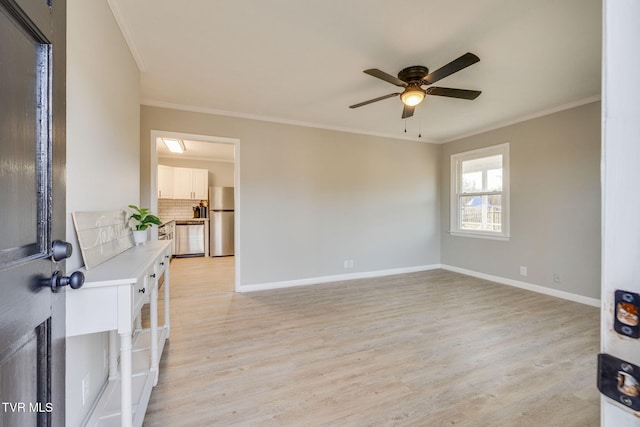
(32,211)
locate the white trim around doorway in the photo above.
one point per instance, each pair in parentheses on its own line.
(153,180)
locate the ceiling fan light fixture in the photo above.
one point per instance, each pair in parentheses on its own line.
(412,96)
(174,145)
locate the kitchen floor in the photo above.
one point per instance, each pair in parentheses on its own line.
(202,274)
(193,279)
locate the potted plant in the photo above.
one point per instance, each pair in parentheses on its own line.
(139,221)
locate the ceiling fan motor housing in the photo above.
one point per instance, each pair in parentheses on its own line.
(413,74)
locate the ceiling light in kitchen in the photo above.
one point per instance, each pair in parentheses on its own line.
(174,145)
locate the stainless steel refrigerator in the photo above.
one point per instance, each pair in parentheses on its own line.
(221,221)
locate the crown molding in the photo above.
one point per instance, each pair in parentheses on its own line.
(126,33)
(521,119)
(225,113)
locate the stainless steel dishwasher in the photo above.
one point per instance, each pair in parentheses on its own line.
(189,237)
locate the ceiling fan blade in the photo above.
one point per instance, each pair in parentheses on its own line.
(380,98)
(386,77)
(452,67)
(453,93)
(408,111)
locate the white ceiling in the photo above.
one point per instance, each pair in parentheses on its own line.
(302,61)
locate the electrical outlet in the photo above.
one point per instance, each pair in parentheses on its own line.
(523,270)
(556,277)
(85,388)
(348,263)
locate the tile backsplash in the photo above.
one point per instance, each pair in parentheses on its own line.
(169,209)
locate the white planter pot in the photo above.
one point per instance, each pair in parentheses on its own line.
(140,236)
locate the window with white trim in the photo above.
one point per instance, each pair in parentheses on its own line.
(480,192)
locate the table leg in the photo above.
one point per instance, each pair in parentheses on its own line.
(113,355)
(126,416)
(153,314)
(167,324)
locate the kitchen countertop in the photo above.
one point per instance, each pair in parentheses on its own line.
(167,220)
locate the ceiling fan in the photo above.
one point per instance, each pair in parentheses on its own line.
(413,78)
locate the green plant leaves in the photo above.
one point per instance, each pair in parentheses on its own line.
(142,218)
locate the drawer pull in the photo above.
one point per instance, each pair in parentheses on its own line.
(142,291)
(153,276)
(162,263)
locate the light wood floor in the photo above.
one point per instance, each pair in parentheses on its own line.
(424,349)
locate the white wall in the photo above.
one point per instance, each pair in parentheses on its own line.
(554,201)
(103,156)
(620,177)
(312,198)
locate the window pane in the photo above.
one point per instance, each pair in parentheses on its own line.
(481,213)
(471,182)
(483,174)
(483,163)
(494,179)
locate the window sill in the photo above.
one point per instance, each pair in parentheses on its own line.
(479,235)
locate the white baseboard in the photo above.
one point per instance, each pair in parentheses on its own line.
(528,286)
(334,278)
(390,272)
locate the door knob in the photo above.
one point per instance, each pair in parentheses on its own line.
(60,250)
(75,280)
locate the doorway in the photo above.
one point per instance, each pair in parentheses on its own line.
(221,156)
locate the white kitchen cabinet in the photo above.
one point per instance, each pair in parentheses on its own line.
(182,183)
(165,182)
(190,183)
(200,184)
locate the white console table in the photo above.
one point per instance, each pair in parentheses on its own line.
(110,300)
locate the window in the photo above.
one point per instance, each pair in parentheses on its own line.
(480,192)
